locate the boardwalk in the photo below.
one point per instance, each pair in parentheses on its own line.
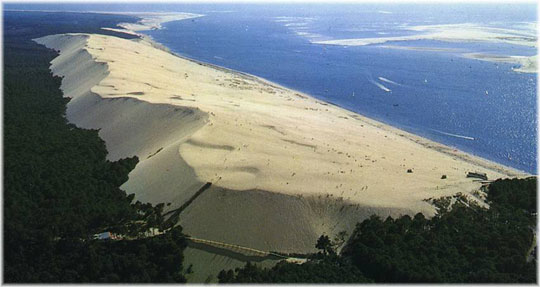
(248,254)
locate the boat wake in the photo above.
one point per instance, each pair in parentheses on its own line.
(381,86)
(454,135)
(388,81)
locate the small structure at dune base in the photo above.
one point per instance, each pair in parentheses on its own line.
(480,175)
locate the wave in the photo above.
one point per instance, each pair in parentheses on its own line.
(454,135)
(296,24)
(307,35)
(388,81)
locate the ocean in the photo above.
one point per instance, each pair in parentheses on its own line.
(480,107)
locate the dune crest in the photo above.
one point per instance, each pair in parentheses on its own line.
(285,167)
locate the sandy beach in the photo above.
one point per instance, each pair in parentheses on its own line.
(285,167)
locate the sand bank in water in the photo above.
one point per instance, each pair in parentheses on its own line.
(466,32)
(149,21)
(526,64)
(153,20)
(285,167)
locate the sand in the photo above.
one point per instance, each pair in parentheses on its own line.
(422,49)
(153,20)
(467,32)
(149,21)
(526,64)
(285,167)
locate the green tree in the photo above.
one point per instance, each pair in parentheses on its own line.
(324,244)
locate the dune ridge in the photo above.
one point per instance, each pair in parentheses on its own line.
(285,167)
(129,126)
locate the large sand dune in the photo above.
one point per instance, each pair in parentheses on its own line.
(285,167)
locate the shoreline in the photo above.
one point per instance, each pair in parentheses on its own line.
(464,32)
(280,161)
(429,144)
(285,167)
(450,150)
(441,147)
(527,65)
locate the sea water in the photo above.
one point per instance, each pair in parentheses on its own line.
(480,107)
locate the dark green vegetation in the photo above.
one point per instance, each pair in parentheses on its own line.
(462,243)
(21,27)
(59,189)
(328,269)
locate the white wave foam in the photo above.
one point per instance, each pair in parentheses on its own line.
(307,35)
(296,24)
(454,135)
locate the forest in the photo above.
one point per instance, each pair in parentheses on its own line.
(463,243)
(59,188)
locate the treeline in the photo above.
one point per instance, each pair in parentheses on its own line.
(462,243)
(59,189)
(327,269)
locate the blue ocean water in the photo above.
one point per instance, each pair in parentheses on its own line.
(480,107)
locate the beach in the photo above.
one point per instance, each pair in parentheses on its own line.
(285,167)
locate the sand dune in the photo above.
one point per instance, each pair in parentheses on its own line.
(285,167)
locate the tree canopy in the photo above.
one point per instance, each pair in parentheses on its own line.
(59,188)
(462,243)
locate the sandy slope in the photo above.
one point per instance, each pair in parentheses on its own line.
(285,167)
